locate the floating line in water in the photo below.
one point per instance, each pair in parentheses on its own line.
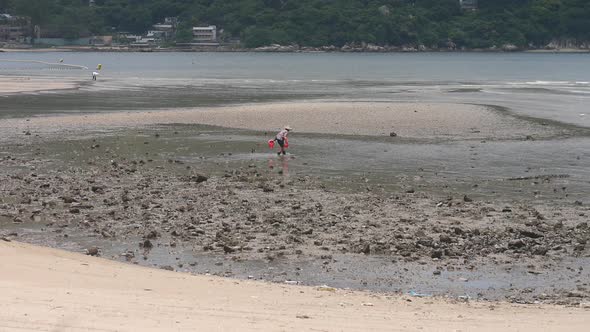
(66,65)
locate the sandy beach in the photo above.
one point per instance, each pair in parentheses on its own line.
(45,289)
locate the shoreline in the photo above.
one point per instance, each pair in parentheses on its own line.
(282,49)
(44,287)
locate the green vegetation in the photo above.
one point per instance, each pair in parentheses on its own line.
(433,23)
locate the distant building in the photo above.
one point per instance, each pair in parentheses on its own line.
(165,30)
(127,38)
(14,29)
(205,34)
(91,3)
(468,4)
(162,31)
(146,41)
(172,21)
(156,34)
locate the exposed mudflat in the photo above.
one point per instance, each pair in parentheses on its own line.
(177,203)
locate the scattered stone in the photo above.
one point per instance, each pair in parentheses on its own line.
(392,134)
(199,178)
(437,254)
(97,189)
(309,231)
(153,234)
(576,294)
(147,244)
(531,234)
(92,251)
(228,250)
(167,268)
(516,244)
(69,200)
(444,238)
(366,249)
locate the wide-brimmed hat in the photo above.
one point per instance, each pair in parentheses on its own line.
(288,128)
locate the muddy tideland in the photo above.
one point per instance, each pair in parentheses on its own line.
(494,207)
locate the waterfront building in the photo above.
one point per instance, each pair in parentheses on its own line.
(206,34)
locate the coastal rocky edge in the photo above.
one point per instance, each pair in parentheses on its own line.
(449,47)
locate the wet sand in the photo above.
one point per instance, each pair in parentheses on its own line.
(414,120)
(25,84)
(406,120)
(56,290)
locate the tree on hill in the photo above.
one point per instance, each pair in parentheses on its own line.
(433,23)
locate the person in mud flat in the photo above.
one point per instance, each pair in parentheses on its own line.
(281,138)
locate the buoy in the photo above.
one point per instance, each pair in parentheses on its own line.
(271,143)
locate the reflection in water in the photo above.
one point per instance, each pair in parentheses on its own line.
(281,162)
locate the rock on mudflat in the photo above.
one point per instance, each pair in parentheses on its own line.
(199,178)
(147,244)
(228,250)
(92,251)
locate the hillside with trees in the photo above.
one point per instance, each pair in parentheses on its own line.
(433,23)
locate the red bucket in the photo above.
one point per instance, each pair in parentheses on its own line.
(286,143)
(271,143)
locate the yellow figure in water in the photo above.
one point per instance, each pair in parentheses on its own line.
(99,67)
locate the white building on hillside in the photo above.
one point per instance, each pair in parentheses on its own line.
(205,34)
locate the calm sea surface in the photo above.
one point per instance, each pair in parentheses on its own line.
(552,86)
